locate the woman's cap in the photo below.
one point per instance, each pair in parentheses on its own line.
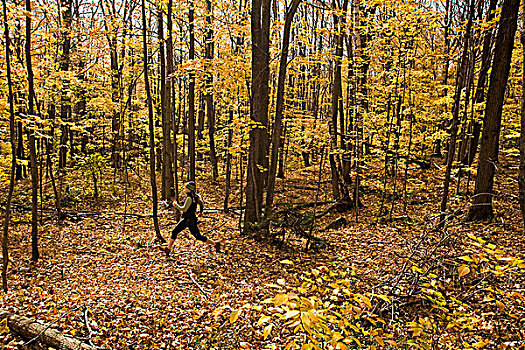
(190,185)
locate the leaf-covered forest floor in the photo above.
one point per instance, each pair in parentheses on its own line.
(137,298)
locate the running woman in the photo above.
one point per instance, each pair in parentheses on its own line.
(189,218)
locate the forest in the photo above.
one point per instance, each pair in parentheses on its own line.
(265,174)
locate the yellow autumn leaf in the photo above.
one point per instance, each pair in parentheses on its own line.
(279,299)
(287,262)
(291,314)
(480,344)
(342,346)
(267,330)
(379,340)
(291,345)
(235,315)
(263,319)
(3,326)
(463,270)
(304,318)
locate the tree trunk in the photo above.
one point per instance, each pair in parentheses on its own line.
(258,152)
(65,61)
(210,110)
(49,165)
(29,329)
(191,96)
(152,174)
(460,82)
(482,205)
(5,253)
(521,175)
(280,171)
(339,189)
(32,147)
(448,13)
(170,108)
(479,96)
(167,170)
(279,105)
(21,172)
(228,164)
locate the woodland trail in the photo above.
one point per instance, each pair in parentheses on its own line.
(139,299)
(137,293)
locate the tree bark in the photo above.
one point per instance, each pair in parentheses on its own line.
(175,121)
(191,96)
(32,147)
(170,107)
(479,96)
(7,217)
(115,81)
(460,82)
(65,62)
(339,189)
(210,110)
(258,152)
(279,105)
(29,329)
(149,102)
(228,164)
(521,175)
(481,207)
(21,170)
(165,94)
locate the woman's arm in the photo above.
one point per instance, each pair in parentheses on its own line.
(183,207)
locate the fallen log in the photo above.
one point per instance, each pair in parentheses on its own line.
(31,329)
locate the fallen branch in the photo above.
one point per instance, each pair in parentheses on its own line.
(198,285)
(33,330)
(88,327)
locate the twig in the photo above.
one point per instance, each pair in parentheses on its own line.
(198,285)
(86,322)
(52,323)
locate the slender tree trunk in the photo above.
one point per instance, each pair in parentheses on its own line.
(21,171)
(482,205)
(228,164)
(280,171)
(32,147)
(210,110)
(5,253)
(279,105)
(170,110)
(65,62)
(447,44)
(521,175)
(479,96)
(460,82)
(115,79)
(53,182)
(258,152)
(152,174)
(167,170)
(191,96)
(407,163)
(339,188)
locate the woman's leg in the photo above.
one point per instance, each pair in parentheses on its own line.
(181,225)
(194,229)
